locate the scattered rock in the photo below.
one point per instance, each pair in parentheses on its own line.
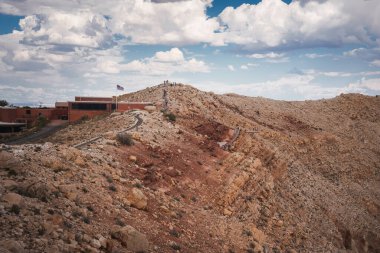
(69,191)
(258,235)
(132,239)
(95,243)
(257,163)
(54,164)
(150,108)
(257,248)
(227,212)
(7,160)
(173,172)
(11,246)
(80,161)
(133,158)
(12,199)
(137,198)
(114,114)
(102,241)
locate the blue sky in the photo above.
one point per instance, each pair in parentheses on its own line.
(289,50)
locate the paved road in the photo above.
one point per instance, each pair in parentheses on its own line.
(52,128)
(35,137)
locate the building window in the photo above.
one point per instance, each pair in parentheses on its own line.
(89,106)
(28,112)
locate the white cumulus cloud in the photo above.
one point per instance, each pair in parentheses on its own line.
(272,23)
(166,63)
(231,67)
(270,55)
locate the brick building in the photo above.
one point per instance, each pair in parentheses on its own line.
(80,109)
(68,111)
(30,115)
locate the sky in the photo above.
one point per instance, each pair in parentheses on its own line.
(290,50)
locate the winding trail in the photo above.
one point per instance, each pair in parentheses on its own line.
(138,123)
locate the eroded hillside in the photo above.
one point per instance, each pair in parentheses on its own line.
(300,177)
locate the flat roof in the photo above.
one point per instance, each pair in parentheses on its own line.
(107,102)
(7,107)
(11,124)
(61,104)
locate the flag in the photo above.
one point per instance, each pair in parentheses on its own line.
(118,87)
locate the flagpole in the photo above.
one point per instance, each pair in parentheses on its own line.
(118,88)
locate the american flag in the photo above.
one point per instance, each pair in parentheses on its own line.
(118,87)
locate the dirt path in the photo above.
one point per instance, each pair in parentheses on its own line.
(136,125)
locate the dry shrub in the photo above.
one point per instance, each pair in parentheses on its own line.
(125,139)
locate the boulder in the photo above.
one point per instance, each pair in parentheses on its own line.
(80,161)
(70,191)
(13,199)
(131,238)
(137,199)
(136,136)
(150,108)
(52,163)
(70,153)
(258,235)
(227,212)
(114,114)
(257,163)
(95,243)
(173,172)
(132,158)
(7,160)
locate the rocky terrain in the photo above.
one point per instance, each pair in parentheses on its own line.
(299,177)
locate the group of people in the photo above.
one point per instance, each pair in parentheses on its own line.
(166,82)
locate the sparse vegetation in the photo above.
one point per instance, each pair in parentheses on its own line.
(108,178)
(86,220)
(41,121)
(76,214)
(247,232)
(41,231)
(171,116)
(112,188)
(125,139)
(175,246)
(160,189)
(174,233)
(119,222)
(138,185)
(84,118)
(15,209)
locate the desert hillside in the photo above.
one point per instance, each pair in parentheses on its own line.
(290,177)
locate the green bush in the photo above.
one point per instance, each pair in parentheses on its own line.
(125,139)
(171,116)
(41,121)
(84,118)
(15,209)
(3,103)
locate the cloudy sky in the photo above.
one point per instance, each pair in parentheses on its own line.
(302,49)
